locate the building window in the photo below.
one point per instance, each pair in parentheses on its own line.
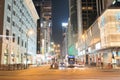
(25,45)
(14,13)
(8,19)
(9,7)
(13,37)
(18,40)
(20,29)
(22,43)
(13,23)
(14,2)
(20,11)
(7,34)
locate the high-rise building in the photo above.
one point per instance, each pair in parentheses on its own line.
(102,5)
(18,20)
(73,15)
(72,26)
(92,9)
(87,9)
(89,13)
(82,14)
(96,44)
(44,9)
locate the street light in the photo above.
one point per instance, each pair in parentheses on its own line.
(64,25)
(29,32)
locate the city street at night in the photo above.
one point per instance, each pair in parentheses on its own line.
(45,73)
(59,39)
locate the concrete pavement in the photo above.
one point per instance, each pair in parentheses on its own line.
(45,73)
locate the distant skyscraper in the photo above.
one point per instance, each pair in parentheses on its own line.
(73,15)
(44,9)
(88,11)
(82,14)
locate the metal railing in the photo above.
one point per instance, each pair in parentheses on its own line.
(12,67)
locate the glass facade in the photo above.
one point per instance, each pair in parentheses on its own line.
(73,15)
(89,13)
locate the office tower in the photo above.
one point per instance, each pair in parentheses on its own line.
(73,15)
(88,11)
(44,30)
(43,8)
(96,44)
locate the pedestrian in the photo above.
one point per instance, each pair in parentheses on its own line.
(102,65)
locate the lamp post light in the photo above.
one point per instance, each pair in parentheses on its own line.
(29,32)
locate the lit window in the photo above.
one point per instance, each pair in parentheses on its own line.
(84,8)
(90,8)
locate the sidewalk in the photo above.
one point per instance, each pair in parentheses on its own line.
(117,69)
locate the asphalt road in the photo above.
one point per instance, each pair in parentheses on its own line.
(44,73)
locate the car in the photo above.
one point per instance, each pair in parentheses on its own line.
(62,65)
(54,66)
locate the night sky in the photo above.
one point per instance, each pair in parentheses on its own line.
(60,13)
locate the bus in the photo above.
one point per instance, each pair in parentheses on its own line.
(71,61)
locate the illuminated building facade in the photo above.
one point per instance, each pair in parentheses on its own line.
(44,30)
(101,40)
(17,46)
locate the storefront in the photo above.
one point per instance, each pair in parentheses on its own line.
(102,40)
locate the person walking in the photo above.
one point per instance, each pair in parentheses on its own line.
(102,65)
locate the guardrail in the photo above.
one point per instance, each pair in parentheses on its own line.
(12,67)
